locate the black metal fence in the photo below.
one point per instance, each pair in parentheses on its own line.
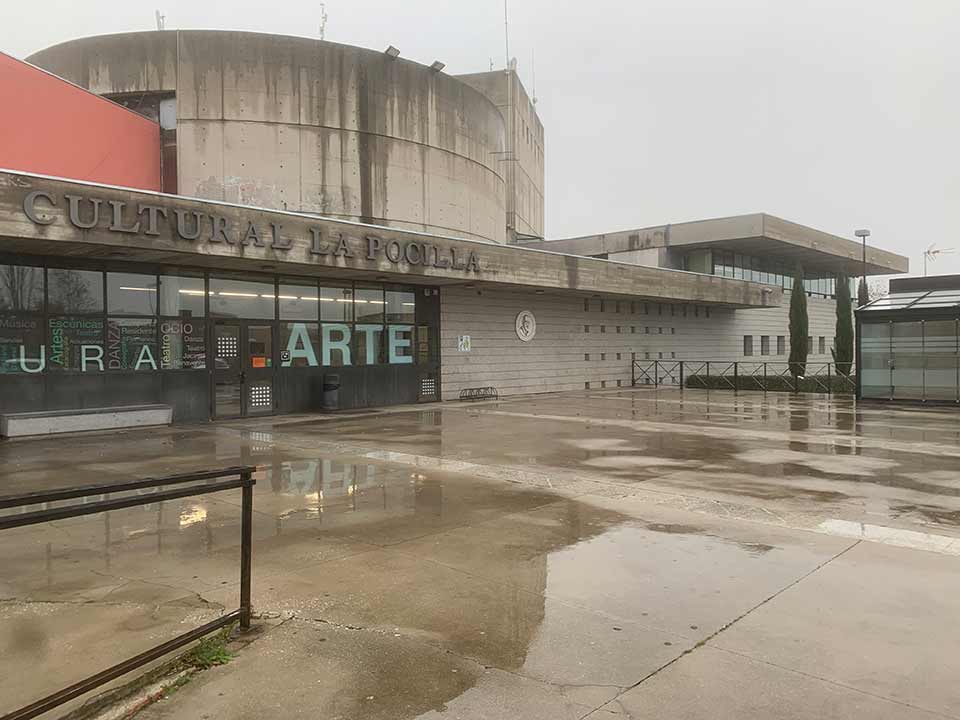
(737,375)
(240,477)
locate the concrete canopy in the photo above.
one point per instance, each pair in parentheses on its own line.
(48,216)
(756,234)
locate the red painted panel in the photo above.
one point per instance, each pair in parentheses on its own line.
(51,127)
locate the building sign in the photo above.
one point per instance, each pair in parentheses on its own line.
(526,325)
(463,343)
(182,345)
(193,227)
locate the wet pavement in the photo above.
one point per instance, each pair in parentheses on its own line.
(632,554)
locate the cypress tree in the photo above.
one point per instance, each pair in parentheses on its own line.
(798,325)
(843,350)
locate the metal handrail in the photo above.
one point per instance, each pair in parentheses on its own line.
(754,374)
(243,480)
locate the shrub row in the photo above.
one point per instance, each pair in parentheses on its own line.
(837,385)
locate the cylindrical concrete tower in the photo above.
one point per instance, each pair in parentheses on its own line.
(306,125)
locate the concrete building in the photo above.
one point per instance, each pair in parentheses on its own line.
(523,157)
(330,215)
(757,248)
(308,126)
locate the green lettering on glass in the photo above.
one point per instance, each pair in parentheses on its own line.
(145,357)
(370,341)
(395,343)
(342,345)
(85,358)
(299,346)
(41,362)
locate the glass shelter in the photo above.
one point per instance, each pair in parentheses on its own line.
(908,345)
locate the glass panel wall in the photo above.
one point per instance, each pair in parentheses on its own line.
(21,288)
(941,374)
(910,360)
(241,299)
(756,269)
(86,320)
(22,346)
(131,294)
(298,301)
(182,296)
(875,378)
(336,303)
(906,347)
(74,291)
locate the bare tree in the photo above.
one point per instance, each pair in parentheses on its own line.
(21,287)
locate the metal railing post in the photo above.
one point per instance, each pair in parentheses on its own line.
(246,548)
(736,375)
(681,374)
(764,376)
(184,485)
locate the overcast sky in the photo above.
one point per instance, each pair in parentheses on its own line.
(837,114)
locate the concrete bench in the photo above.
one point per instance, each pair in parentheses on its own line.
(49,422)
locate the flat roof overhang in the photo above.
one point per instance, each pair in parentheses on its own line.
(140,226)
(757,234)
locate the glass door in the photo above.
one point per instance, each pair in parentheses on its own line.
(941,369)
(227,370)
(258,372)
(242,368)
(875,360)
(906,347)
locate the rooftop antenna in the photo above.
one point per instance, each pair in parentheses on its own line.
(323,21)
(931,254)
(506,34)
(161,19)
(533,69)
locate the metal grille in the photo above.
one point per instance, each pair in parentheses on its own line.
(261,397)
(227,347)
(428,386)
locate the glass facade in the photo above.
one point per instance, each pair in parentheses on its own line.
(910,360)
(751,268)
(910,346)
(84,320)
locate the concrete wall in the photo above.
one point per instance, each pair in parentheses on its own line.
(50,127)
(557,358)
(756,234)
(299,124)
(525,174)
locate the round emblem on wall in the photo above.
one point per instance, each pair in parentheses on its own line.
(526,325)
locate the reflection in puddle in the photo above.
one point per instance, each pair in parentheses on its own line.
(192,514)
(754,548)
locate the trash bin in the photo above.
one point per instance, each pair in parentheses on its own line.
(331,392)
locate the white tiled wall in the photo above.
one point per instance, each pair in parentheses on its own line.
(563,356)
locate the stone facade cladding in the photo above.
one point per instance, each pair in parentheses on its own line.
(564,355)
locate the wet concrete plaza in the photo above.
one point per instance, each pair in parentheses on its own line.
(622,554)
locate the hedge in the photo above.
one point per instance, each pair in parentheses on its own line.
(837,385)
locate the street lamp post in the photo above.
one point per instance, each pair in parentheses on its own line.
(863,234)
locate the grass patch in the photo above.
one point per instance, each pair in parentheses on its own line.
(210,651)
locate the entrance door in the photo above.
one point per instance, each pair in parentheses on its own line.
(876,362)
(428,346)
(906,346)
(243,368)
